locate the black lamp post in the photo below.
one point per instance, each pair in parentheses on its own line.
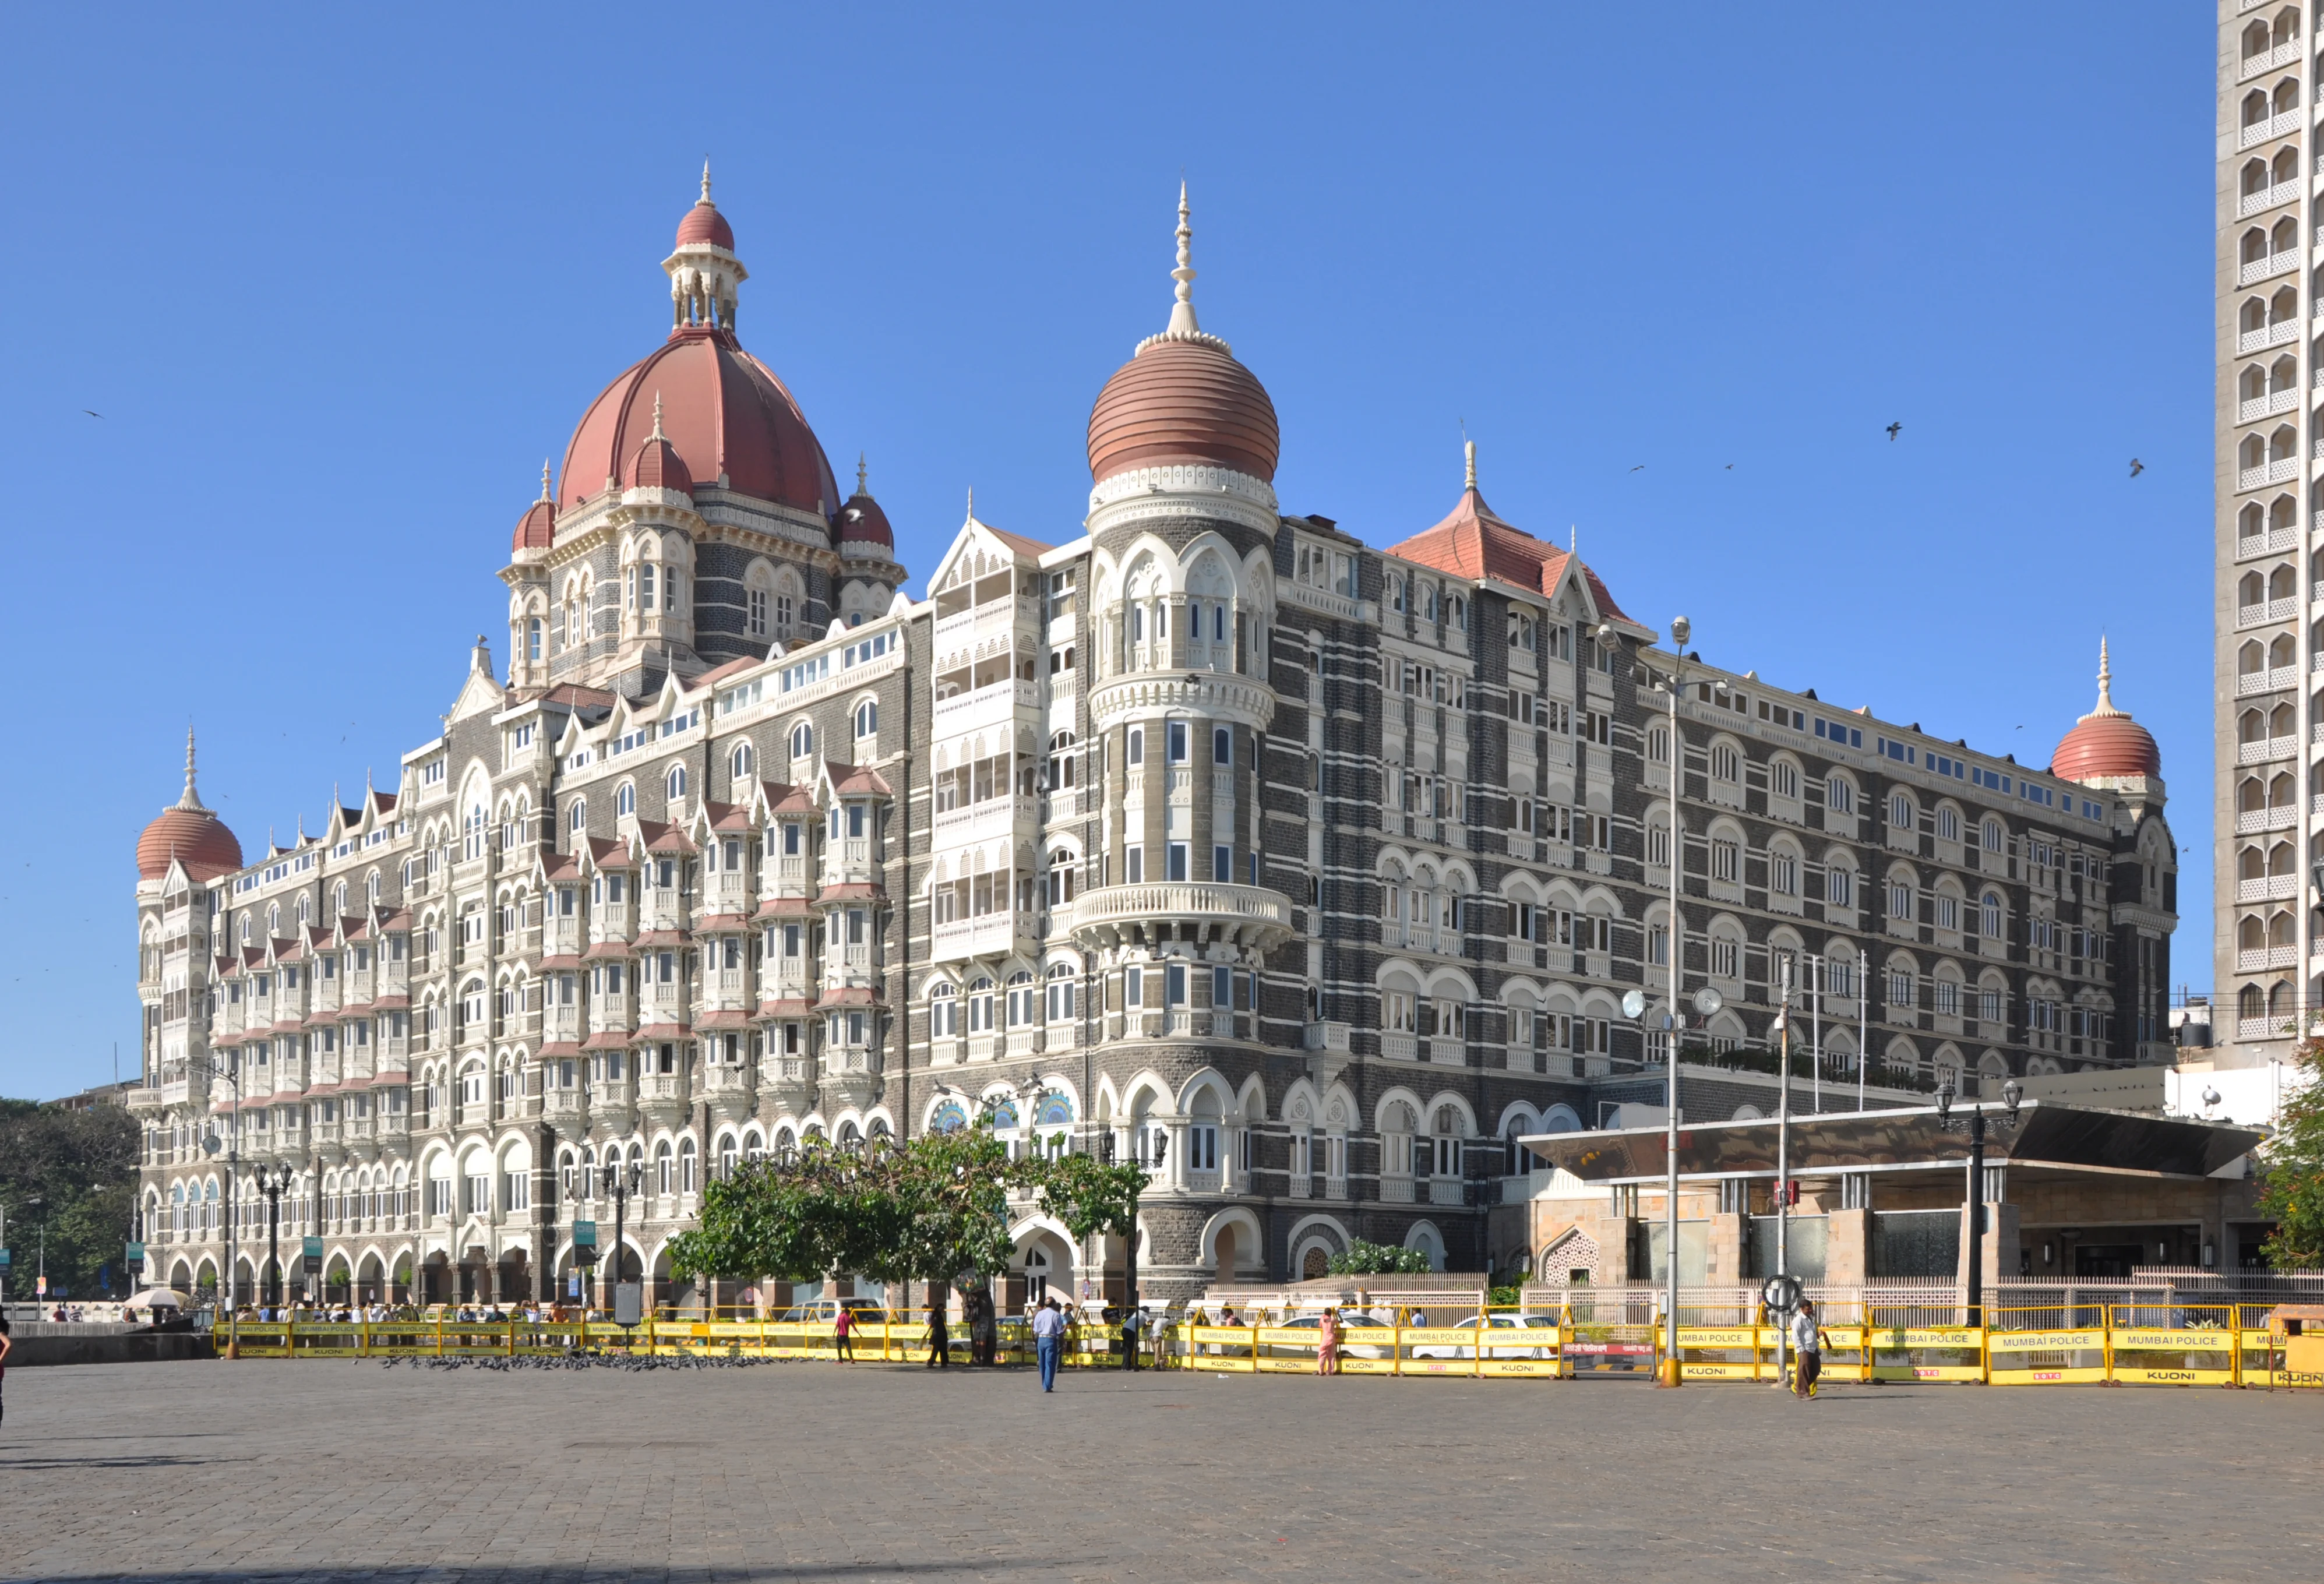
(620,1181)
(273,1184)
(2012,1092)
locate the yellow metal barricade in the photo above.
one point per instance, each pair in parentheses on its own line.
(1225,1349)
(1721,1352)
(1368,1350)
(2180,1353)
(1935,1352)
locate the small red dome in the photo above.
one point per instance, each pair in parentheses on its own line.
(657,466)
(2106,743)
(1182,399)
(704,223)
(537,528)
(861,522)
(723,410)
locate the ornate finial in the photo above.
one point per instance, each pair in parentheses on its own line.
(544,479)
(657,433)
(190,800)
(971,503)
(860,471)
(1181,314)
(2106,682)
(705,180)
(1573,538)
(1468,448)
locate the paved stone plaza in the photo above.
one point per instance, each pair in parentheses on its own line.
(338,1470)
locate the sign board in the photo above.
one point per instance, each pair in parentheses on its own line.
(629,1304)
(584,1234)
(573,1286)
(41,1286)
(313,1248)
(1782,1293)
(4,1260)
(134,1256)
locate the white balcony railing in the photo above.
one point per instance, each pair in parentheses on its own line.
(2260,131)
(2274,888)
(2279,334)
(2268,406)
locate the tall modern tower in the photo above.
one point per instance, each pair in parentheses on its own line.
(2270,752)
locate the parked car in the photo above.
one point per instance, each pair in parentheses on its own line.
(1500,1349)
(824,1311)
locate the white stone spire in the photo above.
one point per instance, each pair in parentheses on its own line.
(191,800)
(2106,683)
(1183,326)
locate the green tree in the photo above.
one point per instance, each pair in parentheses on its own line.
(1370,1260)
(2292,1189)
(933,1210)
(81,1167)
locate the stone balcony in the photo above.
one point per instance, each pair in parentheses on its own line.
(1250,916)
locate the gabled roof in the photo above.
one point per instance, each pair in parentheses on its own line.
(1476,543)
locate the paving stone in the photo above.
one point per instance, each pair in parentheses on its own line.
(338,1470)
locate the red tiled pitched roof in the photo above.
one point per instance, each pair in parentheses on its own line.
(1475,543)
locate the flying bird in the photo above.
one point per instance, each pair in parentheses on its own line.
(1892,432)
(1731,467)
(1640,468)
(92,412)
(2137,467)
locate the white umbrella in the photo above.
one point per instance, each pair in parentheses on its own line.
(156,1298)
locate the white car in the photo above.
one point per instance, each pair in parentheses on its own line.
(1499,1350)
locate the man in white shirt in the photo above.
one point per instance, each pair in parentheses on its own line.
(1807,1342)
(1049,1342)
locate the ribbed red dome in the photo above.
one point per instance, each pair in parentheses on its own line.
(2107,741)
(721,409)
(199,838)
(537,528)
(861,521)
(1183,400)
(2106,745)
(657,466)
(704,223)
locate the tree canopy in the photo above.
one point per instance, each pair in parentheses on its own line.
(81,1167)
(2292,1186)
(935,1209)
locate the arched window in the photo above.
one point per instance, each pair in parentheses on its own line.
(867,719)
(1061,760)
(686,1154)
(739,761)
(802,740)
(625,800)
(663,1160)
(1060,878)
(674,782)
(1061,993)
(1023,999)
(944,1011)
(577,817)
(533,641)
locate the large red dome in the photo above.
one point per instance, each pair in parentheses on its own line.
(1183,400)
(723,410)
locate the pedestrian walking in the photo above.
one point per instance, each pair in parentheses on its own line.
(1049,1342)
(843,1327)
(1133,1323)
(1807,1344)
(939,1334)
(1327,1347)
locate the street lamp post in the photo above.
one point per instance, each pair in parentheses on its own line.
(2012,1094)
(273,1184)
(620,1181)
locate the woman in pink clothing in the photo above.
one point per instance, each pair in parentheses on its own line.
(1327,1350)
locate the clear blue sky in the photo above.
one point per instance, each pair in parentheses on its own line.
(337,284)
